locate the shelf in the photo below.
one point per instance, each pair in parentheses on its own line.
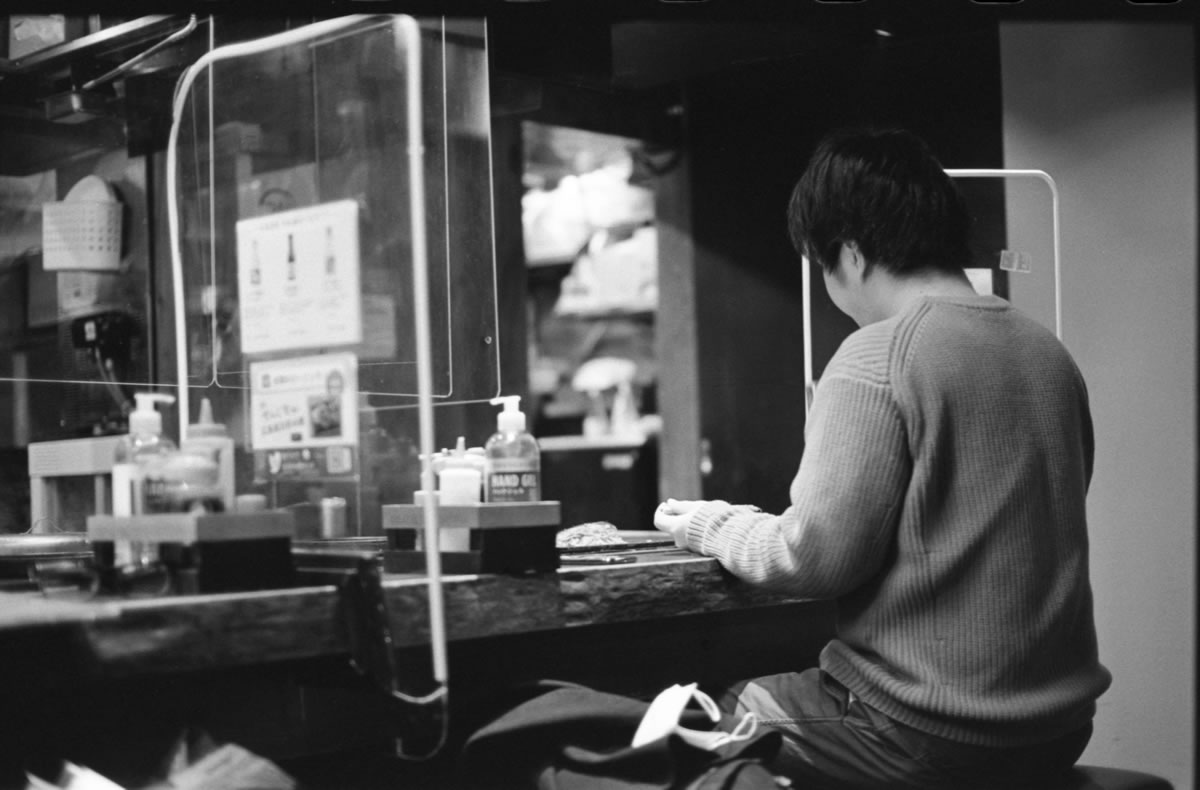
(100,44)
(601,315)
(551,444)
(547,263)
(42,127)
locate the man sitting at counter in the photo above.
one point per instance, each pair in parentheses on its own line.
(940,500)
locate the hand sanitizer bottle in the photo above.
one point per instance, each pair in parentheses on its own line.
(137,469)
(514,460)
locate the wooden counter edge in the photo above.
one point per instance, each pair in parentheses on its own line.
(242,629)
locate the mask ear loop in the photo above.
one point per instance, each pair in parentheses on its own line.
(744,730)
(707,703)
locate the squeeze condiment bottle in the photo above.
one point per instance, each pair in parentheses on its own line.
(205,437)
(458,479)
(514,460)
(191,483)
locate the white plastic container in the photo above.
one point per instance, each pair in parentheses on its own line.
(625,420)
(514,460)
(83,231)
(595,422)
(210,438)
(190,483)
(477,457)
(459,480)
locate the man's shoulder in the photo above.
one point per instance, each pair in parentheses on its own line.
(865,353)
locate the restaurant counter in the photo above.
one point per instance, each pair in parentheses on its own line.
(102,679)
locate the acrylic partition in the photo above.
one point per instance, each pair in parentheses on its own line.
(333,261)
(334,218)
(1015,255)
(264,256)
(312,170)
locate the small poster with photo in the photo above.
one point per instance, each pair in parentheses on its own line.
(304,402)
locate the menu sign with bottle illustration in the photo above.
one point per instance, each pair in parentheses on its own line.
(298,279)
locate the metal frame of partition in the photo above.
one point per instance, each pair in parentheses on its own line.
(1042,175)
(806,276)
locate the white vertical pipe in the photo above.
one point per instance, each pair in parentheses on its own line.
(806,295)
(407,30)
(22,418)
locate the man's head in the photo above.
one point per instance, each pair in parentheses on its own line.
(884,194)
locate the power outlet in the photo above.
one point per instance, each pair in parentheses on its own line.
(109,333)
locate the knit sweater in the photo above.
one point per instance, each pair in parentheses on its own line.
(940,501)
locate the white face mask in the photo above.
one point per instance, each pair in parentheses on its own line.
(662,718)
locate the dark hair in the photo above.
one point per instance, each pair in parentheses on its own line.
(883,190)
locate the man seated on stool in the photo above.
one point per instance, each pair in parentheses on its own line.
(939,500)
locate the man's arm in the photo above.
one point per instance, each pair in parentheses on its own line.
(846,501)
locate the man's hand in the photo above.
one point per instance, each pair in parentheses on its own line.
(673,517)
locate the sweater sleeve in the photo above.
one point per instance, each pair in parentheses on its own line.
(846,498)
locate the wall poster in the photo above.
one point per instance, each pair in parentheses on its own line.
(304,402)
(298,279)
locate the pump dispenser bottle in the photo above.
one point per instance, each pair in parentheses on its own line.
(137,467)
(140,455)
(514,466)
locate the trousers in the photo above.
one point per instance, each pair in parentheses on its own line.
(834,741)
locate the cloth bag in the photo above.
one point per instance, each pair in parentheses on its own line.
(577,738)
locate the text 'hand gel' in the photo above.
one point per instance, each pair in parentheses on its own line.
(514,460)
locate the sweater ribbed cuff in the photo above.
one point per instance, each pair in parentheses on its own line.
(705,521)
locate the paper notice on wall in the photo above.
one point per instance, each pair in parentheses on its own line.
(304,402)
(1015,261)
(298,279)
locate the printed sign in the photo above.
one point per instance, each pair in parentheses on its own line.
(298,279)
(512,480)
(305,463)
(304,402)
(1015,261)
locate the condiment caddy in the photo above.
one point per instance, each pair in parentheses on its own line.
(503,527)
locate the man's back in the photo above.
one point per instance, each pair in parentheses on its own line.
(979,625)
(939,500)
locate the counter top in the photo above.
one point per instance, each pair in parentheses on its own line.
(115,637)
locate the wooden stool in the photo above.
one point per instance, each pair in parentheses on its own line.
(1090,777)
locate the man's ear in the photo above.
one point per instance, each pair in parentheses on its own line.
(855,262)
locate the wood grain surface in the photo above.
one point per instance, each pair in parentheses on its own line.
(127,637)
